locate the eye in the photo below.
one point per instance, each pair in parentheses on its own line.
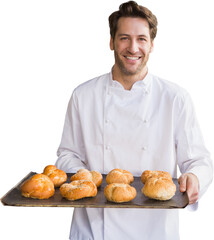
(124,38)
(142,39)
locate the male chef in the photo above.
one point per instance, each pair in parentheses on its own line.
(133,120)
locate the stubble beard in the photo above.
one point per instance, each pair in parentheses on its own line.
(124,69)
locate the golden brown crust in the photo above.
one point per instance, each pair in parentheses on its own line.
(119,192)
(38,186)
(148,174)
(159,188)
(119,176)
(84,174)
(57,176)
(78,189)
(97,178)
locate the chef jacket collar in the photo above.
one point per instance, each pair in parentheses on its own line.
(141,84)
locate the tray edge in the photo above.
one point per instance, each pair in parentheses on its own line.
(22,180)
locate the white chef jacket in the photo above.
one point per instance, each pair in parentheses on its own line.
(152,126)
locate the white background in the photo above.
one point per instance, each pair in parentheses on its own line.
(47,48)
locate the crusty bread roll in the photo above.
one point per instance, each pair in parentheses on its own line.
(57,176)
(119,176)
(148,174)
(160,188)
(84,174)
(38,186)
(78,189)
(119,192)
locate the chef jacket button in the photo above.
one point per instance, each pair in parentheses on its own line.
(107,147)
(144,121)
(107,120)
(144,148)
(146,92)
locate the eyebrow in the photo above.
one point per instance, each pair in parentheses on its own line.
(124,34)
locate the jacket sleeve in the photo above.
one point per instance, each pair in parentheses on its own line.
(192,155)
(71,152)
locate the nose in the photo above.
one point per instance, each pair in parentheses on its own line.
(133,46)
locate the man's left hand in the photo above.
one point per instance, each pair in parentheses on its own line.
(189,183)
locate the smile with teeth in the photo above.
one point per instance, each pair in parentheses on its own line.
(132,58)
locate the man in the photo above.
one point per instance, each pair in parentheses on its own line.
(132,120)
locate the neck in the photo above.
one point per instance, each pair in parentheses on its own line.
(127,81)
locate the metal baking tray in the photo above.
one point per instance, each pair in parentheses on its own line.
(14,198)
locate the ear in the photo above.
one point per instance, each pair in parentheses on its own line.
(111,43)
(152,46)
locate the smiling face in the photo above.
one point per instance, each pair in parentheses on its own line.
(132,46)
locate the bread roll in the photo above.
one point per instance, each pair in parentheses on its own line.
(78,189)
(119,176)
(57,176)
(84,174)
(119,192)
(38,186)
(160,188)
(148,174)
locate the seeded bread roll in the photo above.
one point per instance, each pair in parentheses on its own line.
(148,174)
(84,174)
(119,192)
(78,189)
(57,176)
(38,186)
(159,188)
(119,176)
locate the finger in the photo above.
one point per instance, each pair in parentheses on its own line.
(182,183)
(189,191)
(193,198)
(192,191)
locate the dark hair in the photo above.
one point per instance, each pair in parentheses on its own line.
(132,9)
